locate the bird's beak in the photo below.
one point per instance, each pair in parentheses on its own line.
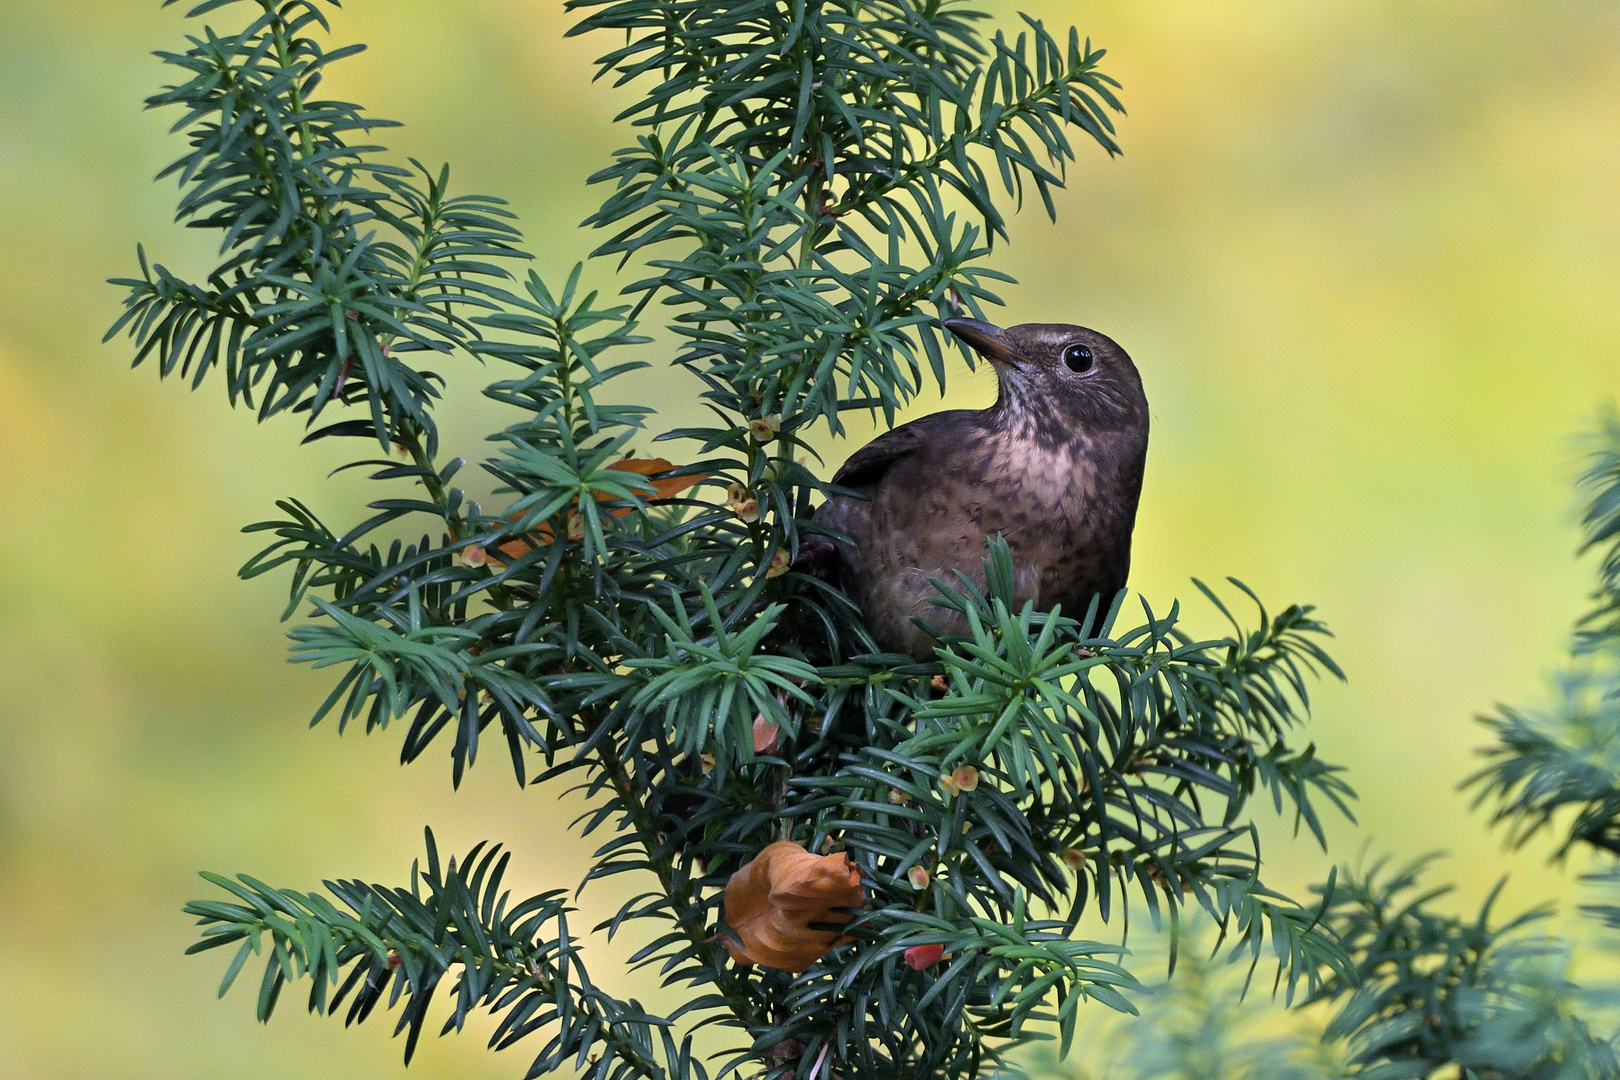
(986,340)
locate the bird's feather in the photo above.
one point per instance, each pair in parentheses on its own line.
(868,465)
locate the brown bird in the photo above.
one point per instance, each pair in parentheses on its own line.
(1054,467)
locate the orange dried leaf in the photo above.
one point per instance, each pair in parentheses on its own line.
(516,549)
(772,902)
(666,488)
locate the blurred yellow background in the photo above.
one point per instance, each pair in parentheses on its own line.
(1366,254)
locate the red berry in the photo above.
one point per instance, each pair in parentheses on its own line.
(924,956)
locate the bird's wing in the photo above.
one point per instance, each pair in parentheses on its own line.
(867,465)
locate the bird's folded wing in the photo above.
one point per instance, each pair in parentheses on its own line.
(867,465)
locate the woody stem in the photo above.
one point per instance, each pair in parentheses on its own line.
(688,913)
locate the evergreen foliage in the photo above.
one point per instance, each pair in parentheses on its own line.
(399,944)
(1434,991)
(1433,994)
(813,184)
(1496,1000)
(1566,757)
(1196,1024)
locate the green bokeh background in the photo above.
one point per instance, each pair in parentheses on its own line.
(1365,252)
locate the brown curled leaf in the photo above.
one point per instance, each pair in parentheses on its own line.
(773,901)
(767,734)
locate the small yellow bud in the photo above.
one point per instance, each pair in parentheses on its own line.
(706,763)
(473,555)
(898,797)
(748,509)
(919,878)
(576,525)
(779,564)
(1076,859)
(964,779)
(764,428)
(735,494)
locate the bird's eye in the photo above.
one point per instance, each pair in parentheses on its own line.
(1078,358)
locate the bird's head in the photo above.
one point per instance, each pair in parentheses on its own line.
(1057,377)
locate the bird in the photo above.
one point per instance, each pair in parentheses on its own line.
(1054,467)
